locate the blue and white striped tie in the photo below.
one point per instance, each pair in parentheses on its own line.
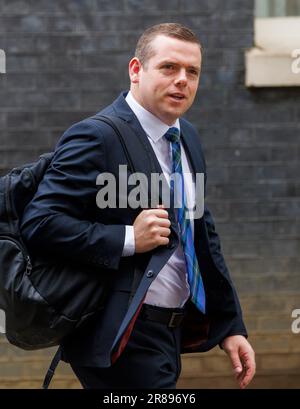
(186,236)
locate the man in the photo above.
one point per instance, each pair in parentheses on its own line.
(170,290)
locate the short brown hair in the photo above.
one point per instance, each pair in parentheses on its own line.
(144,50)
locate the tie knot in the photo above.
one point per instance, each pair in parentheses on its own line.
(172,134)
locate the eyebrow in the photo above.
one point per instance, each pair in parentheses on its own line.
(197,68)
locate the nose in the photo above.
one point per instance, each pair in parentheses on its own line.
(182,77)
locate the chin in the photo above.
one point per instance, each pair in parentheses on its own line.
(170,114)
(176,114)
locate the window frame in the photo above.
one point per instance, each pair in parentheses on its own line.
(274,61)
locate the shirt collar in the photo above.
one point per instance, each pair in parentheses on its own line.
(152,125)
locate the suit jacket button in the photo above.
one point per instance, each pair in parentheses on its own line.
(149,274)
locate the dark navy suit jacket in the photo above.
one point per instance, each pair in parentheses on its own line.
(63,221)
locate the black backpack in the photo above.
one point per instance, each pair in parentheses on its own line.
(43,301)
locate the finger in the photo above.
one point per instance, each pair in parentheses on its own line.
(236,363)
(248,372)
(163,241)
(164,232)
(246,379)
(159,213)
(163,222)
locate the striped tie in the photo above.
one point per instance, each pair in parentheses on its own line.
(186,236)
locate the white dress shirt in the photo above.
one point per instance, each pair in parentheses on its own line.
(170,288)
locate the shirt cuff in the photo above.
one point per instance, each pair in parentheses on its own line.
(129,244)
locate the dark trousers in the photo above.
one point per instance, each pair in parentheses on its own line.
(150,360)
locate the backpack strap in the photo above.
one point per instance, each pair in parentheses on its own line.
(52,368)
(120,128)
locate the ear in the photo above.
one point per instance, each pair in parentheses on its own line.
(134,70)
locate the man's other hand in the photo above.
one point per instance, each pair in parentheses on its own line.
(242,358)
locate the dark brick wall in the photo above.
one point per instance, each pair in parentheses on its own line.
(67,59)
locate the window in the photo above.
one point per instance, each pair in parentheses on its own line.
(275,59)
(277,8)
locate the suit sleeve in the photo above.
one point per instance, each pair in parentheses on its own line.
(58,220)
(215,243)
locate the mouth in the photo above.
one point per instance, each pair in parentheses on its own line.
(177,96)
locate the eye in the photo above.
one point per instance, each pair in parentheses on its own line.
(169,66)
(193,72)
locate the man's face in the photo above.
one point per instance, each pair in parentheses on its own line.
(167,85)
